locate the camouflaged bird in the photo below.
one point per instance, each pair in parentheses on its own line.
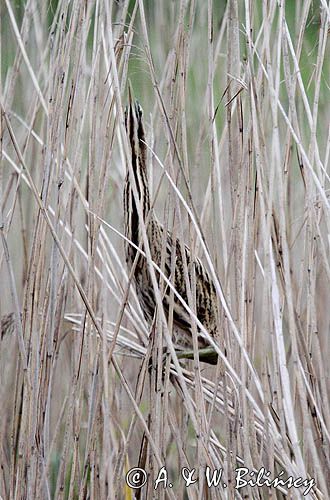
(206,300)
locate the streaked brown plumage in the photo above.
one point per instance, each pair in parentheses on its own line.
(206,301)
(7,325)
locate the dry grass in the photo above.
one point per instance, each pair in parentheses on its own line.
(236,101)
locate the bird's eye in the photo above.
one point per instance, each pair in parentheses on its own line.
(138,110)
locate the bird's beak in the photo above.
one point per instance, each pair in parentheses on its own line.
(130,94)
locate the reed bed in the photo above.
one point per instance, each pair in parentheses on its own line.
(236,106)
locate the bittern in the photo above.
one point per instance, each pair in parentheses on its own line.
(206,300)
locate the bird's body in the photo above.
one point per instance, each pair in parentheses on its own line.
(206,301)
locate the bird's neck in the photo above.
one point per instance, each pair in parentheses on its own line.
(141,182)
(139,160)
(136,173)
